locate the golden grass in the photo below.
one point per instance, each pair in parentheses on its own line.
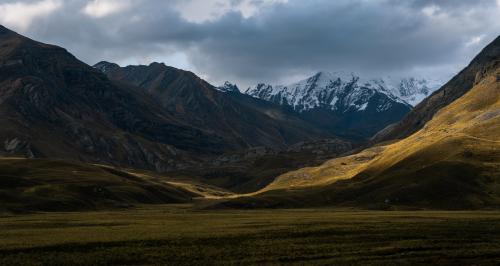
(330,172)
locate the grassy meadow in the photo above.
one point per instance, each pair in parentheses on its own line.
(182,235)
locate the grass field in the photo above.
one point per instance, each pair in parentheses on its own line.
(181,235)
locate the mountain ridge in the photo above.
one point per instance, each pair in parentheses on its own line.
(411,90)
(229,87)
(54,105)
(242,120)
(340,102)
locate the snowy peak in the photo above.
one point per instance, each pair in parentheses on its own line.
(339,101)
(228,87)
(337,91)
(344,91)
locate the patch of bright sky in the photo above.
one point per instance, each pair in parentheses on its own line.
(475,40)
(431,10)
(102,8)
(200,11)
(19,15)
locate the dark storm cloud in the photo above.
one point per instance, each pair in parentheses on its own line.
(380,37)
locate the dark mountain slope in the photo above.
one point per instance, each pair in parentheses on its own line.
(53,105)
(240,119)
(460,84)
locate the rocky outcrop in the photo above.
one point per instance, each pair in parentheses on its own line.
(228,87)
(18,147)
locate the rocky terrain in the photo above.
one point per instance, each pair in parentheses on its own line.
(228,87)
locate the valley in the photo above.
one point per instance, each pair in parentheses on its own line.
(81,138)
(109,136)
(132,161)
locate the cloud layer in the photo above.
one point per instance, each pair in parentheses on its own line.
(274,41)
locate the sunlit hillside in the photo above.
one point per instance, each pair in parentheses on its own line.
(454,161)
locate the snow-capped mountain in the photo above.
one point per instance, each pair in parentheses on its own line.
(228,87)
(337,91)
(344,91)
(341,102)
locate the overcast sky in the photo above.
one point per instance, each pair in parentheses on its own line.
(273,41)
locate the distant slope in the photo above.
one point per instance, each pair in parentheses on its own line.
(339,102)
(253,169)
(242,121)
(55,185)
(455,88)
(453,162)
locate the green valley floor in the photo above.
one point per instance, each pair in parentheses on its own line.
(183,235)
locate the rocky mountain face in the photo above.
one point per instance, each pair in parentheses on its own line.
(228,87)
(242,121)
(460,84)
(53,105)
(343,103)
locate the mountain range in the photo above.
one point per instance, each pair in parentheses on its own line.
(79,136)
(342,102)
(323,89)
(450,159)
(55,106)
(240,120)
(153,117)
